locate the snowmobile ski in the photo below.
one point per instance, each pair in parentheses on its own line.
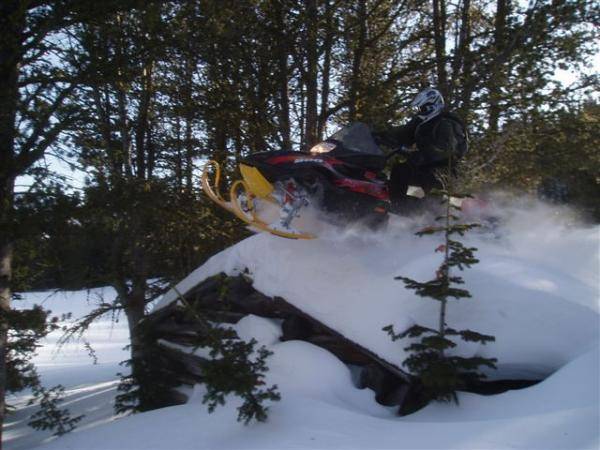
(242,200)
(212,190)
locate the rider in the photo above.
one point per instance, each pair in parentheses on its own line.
(438,134)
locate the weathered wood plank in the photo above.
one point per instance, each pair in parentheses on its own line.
(289,308)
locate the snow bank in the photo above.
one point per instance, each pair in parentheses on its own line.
(90,388)
(536,288)
(321,409)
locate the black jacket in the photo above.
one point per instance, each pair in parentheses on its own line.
(436,139)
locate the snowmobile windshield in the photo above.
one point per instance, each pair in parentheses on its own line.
(357,138)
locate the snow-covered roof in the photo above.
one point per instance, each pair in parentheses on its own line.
(535,289)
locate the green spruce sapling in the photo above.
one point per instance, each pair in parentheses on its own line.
(440,373)
(51,416)
(234,367)
(26,328)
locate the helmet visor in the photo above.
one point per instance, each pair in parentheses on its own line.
(423,110)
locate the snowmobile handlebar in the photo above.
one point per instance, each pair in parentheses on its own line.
(402,150)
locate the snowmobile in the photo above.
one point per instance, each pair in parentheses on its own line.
(341,176)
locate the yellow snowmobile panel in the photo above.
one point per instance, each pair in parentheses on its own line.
(256,182)
(241,191)
(240,188)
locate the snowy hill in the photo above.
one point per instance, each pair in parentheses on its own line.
(536,289)
(524,287)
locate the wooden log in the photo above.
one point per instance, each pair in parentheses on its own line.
(159,316)
(175,328)
(209,285)
(193,363)
(342,348)
(392,368)
(228,299)
(177,397)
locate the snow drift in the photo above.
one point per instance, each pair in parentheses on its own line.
(535,288)
(321,409)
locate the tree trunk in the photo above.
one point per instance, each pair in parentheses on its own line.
(189,105)
(497,70)
(131,289)
(142,122)
(439,32)
(135,312)
(328,45)
(12,24)
(461,47)
(133,302)
(150,153)
(283,74)
(5,298)
(220,142)
(302,117)
(359,50)
(465,79)
(178,169)
(260,105)
(124,158)
(311,73)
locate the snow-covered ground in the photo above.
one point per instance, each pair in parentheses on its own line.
(536,274)
(90,388)
(536,289)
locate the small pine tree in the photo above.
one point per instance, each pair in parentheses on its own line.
(150,387)
(440,374)
(26,328)
(235,367)
(50,416)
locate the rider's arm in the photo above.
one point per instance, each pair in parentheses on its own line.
(398,136)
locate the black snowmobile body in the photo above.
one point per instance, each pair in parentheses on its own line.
(343,174)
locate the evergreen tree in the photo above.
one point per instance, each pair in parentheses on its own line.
(134,206)
(233,366)
(138,91)
(440,372)
(35,83)
(26,328)
(50,416)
